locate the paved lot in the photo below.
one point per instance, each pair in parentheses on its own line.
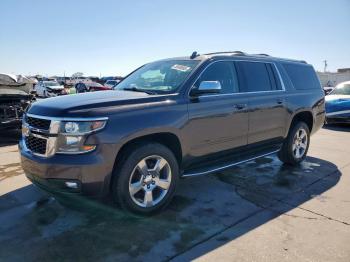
(259,211)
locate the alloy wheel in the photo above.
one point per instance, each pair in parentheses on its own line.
(300,143)
(150,181)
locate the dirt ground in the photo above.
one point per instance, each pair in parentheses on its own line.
(258,211)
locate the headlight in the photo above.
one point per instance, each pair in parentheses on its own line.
(81,127)
(72,136)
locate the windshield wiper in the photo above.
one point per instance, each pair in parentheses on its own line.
(135,89)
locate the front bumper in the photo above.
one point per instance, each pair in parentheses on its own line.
(53,93)
(91,172)
(11,124)
(54,185)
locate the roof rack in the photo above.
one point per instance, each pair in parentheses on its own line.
(194,55)
(240,53)
(263,54)
(227,52)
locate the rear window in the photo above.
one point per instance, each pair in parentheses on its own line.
(256,76)
(302,76)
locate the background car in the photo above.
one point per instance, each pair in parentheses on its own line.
(49,89)
(338,104)
(111,83)
(90,87)
(327,89)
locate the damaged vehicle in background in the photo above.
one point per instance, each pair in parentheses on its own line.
(49,89)
(338,104)
(16,94)
(90,87)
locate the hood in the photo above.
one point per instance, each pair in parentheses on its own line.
(337,103)
(331,97)
(13,95)
(15,92)
(17,82)
(94,104)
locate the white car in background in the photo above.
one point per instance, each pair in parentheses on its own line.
(111,83)
(49,89)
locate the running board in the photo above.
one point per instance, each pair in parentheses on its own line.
(227,165)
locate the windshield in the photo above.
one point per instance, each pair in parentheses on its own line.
(51,84)
(159,77)
(342,89)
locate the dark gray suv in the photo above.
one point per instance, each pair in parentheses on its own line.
(169,119)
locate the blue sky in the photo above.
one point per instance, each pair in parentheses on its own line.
(113,37)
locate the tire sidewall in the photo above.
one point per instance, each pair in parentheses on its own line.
(120,189)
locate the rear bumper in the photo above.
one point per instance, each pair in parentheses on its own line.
(91,172)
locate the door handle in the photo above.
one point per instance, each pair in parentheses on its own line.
(240,106)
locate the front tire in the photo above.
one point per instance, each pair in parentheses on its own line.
(296,145)
(146,180)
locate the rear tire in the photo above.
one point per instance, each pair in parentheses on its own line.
(296,145)
(146,180)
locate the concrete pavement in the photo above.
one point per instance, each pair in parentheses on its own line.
(313,224)
(259,211)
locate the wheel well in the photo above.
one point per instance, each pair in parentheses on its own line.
(167,139)
(304,117)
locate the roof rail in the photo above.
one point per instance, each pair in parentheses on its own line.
(263,54)
(227,52)
(194,55)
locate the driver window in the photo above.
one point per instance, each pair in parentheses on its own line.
(224,72)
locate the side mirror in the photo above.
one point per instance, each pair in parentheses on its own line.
(207,87)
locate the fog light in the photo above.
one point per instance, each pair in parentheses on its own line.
(73,185)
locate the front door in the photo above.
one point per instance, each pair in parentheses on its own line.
(217,122)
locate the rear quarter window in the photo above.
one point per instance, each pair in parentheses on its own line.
(302,76)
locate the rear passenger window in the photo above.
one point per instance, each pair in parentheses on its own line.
(303,76)
(255,76)
(223,72)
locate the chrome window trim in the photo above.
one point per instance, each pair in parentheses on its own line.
(241,93)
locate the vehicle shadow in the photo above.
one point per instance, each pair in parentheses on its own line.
(44,229)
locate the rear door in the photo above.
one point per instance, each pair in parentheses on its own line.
(217,122)
(267,111)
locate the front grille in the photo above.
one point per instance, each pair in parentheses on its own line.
(36,145)
(38,123)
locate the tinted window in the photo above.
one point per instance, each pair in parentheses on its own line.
(224,73)
(255,76)
(302,76)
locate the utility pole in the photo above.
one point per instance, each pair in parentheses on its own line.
(325,66)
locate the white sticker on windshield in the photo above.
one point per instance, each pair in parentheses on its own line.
(181,68)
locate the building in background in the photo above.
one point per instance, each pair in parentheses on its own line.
(334,78)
